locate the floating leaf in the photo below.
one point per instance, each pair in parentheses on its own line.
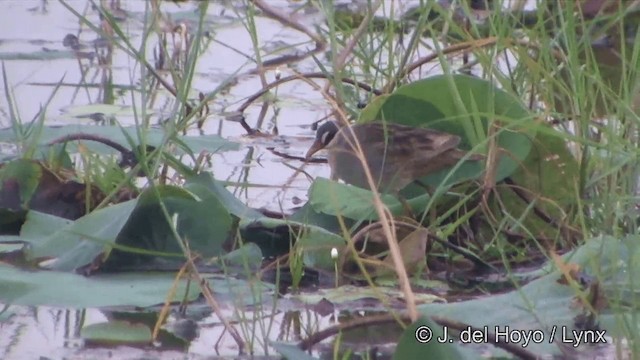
(348,296)
(291,351)
(116,332)
(154,137)
(143,289)
(79,243)
(308,215)
(201,221)
(337,199)
(70,290)
(332,198)
(229,201)
(544,305)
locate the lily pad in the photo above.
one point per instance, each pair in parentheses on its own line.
(201,221)
(143,289)
(152,137)
(75,291)
(347,295)
(328,197)
(117,332)
(228,200)
(332,198)
(550,307)
(82,241)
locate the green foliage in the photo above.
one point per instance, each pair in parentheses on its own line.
(159,210)
(21,178)
(81,242)
(275,237)
(154,137)
(117,332)
(329,197)
(141,289)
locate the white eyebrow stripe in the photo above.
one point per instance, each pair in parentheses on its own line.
(324,136)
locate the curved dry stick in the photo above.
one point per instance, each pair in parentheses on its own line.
(83,136)
(293,157)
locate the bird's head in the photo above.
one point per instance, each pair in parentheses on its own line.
(325,133)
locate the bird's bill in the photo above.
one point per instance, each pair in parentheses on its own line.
(315,147)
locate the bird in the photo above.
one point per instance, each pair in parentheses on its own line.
(397,155)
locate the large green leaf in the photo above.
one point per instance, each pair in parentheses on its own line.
(62,289)
(465,106)
(340,200)
(307,214)
(38,226)
(550,156)
(332,198)
(141,224)
(545,304)
(117,332)
(229,201)
(212,143)
(79,243)
(76,291)
(201,220)
(554,196)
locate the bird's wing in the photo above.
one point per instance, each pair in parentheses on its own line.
(404,142)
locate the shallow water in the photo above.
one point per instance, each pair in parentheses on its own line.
(35,30)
